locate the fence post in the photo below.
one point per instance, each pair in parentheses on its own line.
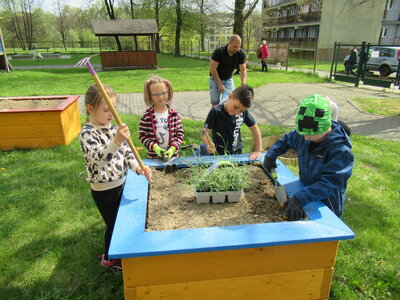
(315,57)
(360,63)
(333,61)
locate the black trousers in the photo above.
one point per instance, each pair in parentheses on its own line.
(107,203)
(264,65)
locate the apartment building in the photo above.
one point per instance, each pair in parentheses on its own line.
(390,32)
(317,24)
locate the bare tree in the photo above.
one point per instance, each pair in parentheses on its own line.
(240,16)
(64,19)
(23,13)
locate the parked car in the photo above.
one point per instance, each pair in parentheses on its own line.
(380,58)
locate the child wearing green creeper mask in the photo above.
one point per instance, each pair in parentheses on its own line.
(325,157)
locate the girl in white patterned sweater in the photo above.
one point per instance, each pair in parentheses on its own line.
(108,157)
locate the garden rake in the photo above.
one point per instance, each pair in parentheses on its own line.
(86,62)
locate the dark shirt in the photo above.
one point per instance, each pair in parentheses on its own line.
(227,63)
(226,129)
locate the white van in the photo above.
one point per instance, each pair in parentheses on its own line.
(382,59)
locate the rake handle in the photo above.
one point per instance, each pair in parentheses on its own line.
(116,116)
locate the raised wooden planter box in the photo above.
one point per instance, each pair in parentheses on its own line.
(37,127)
(286,260)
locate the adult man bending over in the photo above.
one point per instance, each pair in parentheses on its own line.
(223,62)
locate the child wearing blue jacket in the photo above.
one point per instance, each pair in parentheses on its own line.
(325,157)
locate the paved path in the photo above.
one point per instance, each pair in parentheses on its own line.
(275,104)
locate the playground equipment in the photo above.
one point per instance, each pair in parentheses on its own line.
(4,63)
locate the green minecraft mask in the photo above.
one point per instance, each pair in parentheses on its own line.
(313,115)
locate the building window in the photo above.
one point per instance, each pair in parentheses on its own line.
(390,5)
(384,32)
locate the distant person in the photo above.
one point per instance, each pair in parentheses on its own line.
(223,62)
(264,55)
(325,157)
(221,133)
(160,128)
(352,61)
(108,157)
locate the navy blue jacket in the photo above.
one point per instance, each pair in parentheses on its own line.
(324,170)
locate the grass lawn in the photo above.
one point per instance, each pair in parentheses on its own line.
(52,233)
(186,74)
(385,106)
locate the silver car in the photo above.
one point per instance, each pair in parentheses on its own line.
(381,58)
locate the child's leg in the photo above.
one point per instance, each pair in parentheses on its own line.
(107,203)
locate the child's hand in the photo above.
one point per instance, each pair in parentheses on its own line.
(255,155)
(122,135)
(158,150)
(170,151)
(211,148)
(146,172)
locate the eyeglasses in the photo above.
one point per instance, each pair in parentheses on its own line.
(159,94)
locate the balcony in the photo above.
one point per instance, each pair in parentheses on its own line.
(293,40)
(312,17)
(282,2)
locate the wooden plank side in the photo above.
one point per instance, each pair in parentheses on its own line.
(292,285)
(31,131)
(71,122)
(327,282)
(30,143)
(153,270)
(130,293)
(33,118)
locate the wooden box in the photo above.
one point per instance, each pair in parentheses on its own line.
(284,260)
(39,127)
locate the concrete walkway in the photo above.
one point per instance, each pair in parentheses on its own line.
(275,104)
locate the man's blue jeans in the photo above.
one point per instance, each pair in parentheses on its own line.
(215,95)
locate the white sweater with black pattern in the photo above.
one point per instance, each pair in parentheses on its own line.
(106,163)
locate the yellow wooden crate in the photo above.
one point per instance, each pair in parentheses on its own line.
(40,128)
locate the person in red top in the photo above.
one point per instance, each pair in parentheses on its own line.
(264,55)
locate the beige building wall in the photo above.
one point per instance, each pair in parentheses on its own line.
(341,23)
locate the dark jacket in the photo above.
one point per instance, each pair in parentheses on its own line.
(324,169)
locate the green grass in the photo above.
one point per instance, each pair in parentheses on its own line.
(186,74)
(51,231)
(384,106)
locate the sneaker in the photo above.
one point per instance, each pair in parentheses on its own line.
(113,264)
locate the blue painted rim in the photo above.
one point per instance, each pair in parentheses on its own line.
(130,240)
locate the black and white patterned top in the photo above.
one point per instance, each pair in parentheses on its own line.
(106,163)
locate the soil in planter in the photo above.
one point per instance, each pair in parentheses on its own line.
(30,104)
(172,204)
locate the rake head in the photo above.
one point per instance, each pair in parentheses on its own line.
(83,62)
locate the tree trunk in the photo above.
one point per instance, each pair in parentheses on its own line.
(238,17)
(157,17)
(178,28)
(110,10)
(202,25)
